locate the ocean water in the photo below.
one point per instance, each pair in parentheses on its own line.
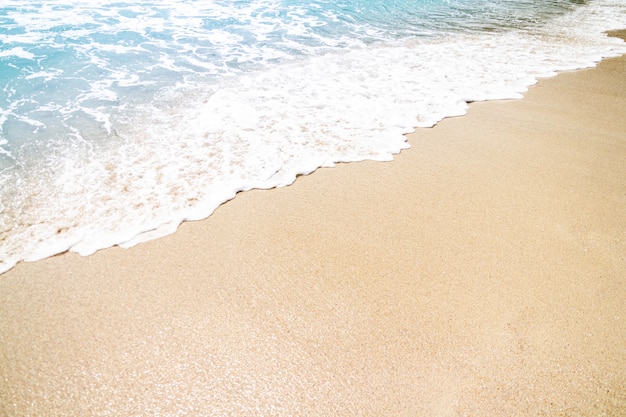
(120,120)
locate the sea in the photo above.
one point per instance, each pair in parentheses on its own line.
(119,120)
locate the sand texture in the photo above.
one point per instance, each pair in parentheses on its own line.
(481,273)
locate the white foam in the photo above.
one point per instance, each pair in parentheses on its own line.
(46,75)
(31,38)
(18,52)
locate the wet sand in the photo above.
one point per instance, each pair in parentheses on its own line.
(482,273)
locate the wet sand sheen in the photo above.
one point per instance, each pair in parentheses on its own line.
(482,272)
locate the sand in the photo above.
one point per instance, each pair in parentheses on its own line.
(481,273)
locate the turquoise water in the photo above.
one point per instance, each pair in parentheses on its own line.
(120,120)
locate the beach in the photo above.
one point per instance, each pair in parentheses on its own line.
(482,272)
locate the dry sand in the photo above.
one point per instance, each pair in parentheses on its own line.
(481,273)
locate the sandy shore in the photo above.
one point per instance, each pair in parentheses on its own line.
(482,273)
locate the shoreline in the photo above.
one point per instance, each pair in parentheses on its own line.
(480,272)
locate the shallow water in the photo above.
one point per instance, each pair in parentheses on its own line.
(118,121)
